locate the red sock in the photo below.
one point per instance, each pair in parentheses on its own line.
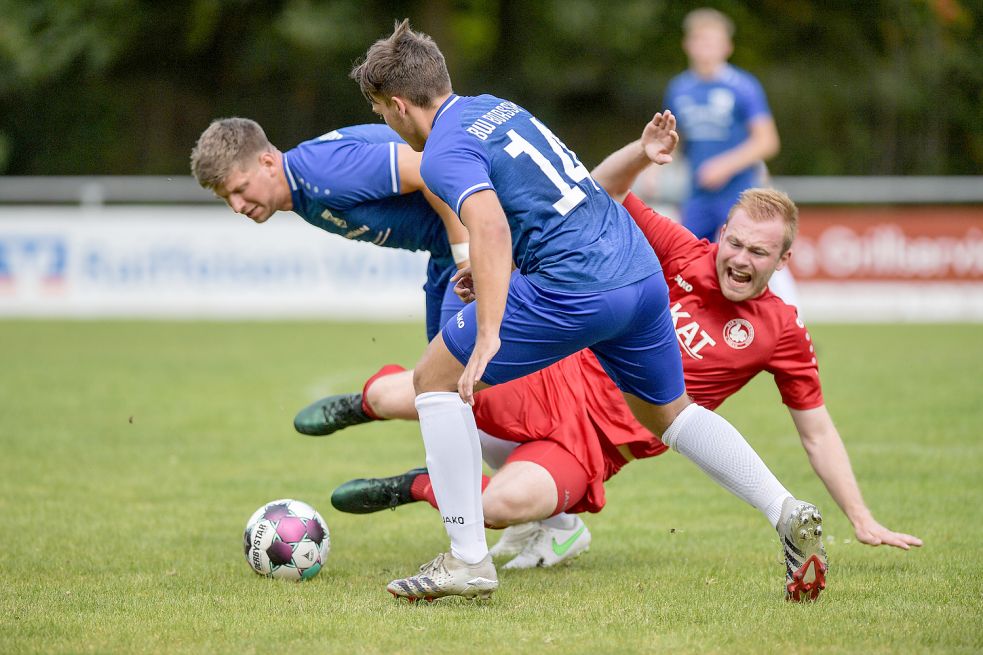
(420,488)
(388,369)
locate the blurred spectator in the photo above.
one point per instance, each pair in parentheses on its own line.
(726,128)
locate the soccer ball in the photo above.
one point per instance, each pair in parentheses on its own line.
(286,539)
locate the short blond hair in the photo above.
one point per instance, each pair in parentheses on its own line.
(706,15)
(226,145)
(407,64)
(765,205)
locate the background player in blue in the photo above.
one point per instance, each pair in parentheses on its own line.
(726,127)
(361,182)
(586,278)
(725,124)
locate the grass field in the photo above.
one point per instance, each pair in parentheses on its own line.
(134,452)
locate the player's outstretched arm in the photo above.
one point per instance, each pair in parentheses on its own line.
(618,171)
(829,459)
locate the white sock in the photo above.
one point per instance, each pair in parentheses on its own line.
(713,444)
(450,437)
(494,450)
(561,521)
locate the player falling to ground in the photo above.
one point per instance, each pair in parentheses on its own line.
(575,408)
(586,278)
(361,182)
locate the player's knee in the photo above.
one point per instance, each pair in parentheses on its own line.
(504,507)
(658,418)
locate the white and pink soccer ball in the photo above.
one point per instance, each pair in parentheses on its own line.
(286,539)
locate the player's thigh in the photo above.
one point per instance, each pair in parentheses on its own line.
(521,491)
(644,360)
(568,476)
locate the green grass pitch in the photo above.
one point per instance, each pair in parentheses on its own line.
(133,452)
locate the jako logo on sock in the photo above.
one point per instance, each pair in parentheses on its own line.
(454,519)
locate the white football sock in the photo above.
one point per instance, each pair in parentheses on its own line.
(713,444)
(450,437)
(561,521)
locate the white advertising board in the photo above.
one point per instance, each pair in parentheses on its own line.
(196,262)
(204,262)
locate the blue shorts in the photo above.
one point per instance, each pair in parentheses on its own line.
(442,302)
(704,215)
(629,329)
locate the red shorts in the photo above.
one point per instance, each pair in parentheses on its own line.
(576,405)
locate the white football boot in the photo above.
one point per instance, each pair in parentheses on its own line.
(514,538)
(446,575)
(551,546)
(800,529)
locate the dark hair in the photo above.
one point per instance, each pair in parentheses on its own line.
(407,64)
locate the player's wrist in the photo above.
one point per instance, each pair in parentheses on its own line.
(860,519)
(461,252)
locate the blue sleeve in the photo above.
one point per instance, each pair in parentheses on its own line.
(343,173)
(752,99)
(669,100)
(455,167)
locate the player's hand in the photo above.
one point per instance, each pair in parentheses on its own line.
(484,350)
(713,174)
(464,284)
(659,138)
(873,533)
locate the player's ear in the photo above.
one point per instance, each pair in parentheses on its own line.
(267,160)
(783,260)
(401,105)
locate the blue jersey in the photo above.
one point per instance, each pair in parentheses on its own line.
(567,233)
(714,116)
(347,182)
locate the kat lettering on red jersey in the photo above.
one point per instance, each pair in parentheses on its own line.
(724,344)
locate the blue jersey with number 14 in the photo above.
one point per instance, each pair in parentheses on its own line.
(567,233)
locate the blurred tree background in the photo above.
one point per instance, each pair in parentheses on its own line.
(890,87)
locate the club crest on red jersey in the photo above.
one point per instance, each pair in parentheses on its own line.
(738,333)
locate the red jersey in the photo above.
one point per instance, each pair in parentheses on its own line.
(723,345)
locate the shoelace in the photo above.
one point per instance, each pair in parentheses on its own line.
(434,565)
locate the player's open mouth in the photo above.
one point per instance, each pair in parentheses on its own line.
(738,277)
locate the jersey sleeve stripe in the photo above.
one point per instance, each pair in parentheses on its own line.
(290,174)
(467,192)
(393,175)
